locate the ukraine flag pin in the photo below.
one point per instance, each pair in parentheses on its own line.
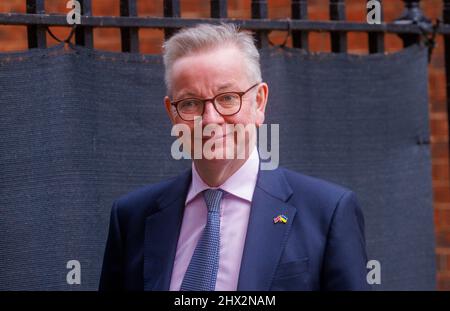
(280,218)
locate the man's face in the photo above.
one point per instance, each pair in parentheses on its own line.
(206,74)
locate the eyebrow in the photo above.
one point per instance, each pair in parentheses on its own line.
(221,88)
(225,86)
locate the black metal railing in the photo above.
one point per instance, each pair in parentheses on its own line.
(411,26)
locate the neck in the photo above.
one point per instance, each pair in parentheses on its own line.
(215,172)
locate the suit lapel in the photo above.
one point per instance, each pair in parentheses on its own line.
(162,229)
(264,242)
(265,239)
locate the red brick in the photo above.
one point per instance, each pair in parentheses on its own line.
(106,8)
(318,10)
(56,6)
(442,219)
(443,280)
(13,6)
(195,8)
(441,262)
(151,40)
(437,61)
(437,85)
(439,128)
(439,106)
(358,42)
(442,194)
(443,238)
(150,8)
(107,39)
(319,42)
(440,151)
(445,218)
(437,219)
(440,172)
(393,43)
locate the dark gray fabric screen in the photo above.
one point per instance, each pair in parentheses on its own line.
(78,128)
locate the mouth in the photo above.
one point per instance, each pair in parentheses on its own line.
(205,138)
(215,137)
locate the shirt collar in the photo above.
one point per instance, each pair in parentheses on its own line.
(241,184)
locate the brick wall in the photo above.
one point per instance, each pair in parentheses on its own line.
(14,38)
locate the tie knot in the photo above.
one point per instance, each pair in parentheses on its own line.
(212,199)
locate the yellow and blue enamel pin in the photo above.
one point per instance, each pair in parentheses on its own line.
(280,218)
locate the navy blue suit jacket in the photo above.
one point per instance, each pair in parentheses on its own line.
(321,247)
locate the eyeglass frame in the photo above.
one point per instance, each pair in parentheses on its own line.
(212,100)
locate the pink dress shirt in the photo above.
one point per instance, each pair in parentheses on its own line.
(234,215)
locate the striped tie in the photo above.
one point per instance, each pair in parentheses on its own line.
(201,273)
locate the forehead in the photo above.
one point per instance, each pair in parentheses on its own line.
(209,69)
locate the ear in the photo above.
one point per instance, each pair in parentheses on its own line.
(169,109)
(261,101)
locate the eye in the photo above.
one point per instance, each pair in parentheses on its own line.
(189,104)
(228,99)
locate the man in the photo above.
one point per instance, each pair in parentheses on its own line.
(226,224)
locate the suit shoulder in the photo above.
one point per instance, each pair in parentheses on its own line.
(320,199)
(146,196)
(315,188)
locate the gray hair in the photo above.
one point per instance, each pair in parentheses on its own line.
(207,36)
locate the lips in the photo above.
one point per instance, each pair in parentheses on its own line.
(205,138)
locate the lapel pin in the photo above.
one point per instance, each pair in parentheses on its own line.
(280,218)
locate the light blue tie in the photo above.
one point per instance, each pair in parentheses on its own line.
(201,273)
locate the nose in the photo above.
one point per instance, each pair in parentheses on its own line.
(210,114)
